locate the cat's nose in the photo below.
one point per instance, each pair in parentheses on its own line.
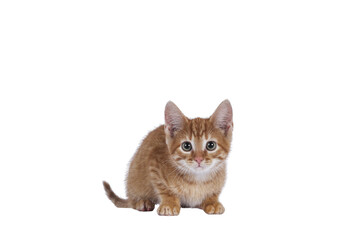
(199,159)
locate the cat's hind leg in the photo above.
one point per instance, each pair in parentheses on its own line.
(143,205)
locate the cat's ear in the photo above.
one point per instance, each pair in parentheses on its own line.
(174,118)
(223,117)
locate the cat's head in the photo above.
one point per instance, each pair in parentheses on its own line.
(199,146)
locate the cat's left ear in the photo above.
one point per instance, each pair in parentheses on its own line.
(223,117)
(174,119)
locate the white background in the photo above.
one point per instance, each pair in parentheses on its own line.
(82,82)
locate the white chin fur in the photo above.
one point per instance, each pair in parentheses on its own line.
(203,173)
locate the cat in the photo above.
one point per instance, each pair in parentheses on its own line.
(180,164)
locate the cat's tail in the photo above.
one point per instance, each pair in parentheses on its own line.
(119,202)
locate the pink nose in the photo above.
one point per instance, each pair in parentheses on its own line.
(199,159)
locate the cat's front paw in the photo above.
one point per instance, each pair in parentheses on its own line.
(214,208)
(168,209)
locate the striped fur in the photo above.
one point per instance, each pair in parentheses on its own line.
(162,172)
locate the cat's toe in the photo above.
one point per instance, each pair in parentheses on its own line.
(149,206)
(144,205)
(168,210)
(214,208)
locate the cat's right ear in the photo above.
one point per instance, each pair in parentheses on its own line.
(174,119)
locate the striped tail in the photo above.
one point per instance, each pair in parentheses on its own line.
(119,202)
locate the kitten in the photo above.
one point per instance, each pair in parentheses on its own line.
(180,164)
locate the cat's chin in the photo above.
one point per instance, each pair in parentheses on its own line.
(197,170)
(200,169)
(201,174)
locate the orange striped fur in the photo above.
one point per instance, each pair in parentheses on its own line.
(165,171)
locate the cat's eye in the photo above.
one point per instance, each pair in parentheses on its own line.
(186,146)
(211,145)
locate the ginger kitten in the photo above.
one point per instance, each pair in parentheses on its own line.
(180,164)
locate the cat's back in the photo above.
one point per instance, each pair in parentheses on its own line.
(152,147)
(154,140)
(153,144)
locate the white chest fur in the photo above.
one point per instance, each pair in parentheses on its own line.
(192,195)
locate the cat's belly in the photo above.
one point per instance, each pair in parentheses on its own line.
(190,202)
(194,195)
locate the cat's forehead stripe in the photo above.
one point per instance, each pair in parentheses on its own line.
(198,127)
